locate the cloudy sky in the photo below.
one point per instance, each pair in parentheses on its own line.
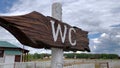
(100,17)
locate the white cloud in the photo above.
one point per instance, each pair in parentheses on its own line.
(94,46)
(118,36)
(21,7)
(104,35)
(96,40)
(109,43)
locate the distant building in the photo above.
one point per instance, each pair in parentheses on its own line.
(10,53)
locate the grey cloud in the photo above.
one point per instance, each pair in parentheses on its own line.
(91,15)
(116,10)
(109,43)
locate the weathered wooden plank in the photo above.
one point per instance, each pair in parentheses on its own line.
(39,31)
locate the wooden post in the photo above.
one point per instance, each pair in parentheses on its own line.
(27,56)
(57,53)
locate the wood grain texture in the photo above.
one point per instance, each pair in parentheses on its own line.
(34,29)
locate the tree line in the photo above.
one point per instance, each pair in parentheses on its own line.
(36,56)
(92,56)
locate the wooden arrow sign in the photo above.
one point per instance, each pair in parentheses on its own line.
(39,31)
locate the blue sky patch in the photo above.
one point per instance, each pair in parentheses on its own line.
(118,25)
(96,35)
(5,5)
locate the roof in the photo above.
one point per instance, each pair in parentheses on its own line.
(13,52)
(7,44)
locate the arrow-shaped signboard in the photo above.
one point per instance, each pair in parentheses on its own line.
(39,31)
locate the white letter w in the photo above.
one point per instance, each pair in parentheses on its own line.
(55,33)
